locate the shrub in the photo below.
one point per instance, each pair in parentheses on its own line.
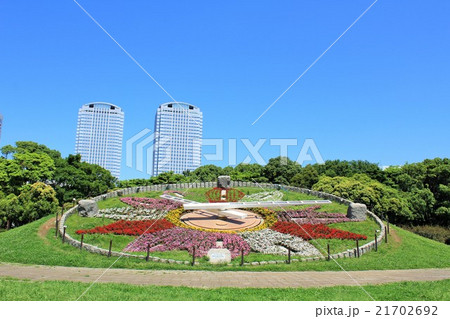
(438,233)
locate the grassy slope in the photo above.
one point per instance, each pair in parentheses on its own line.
(11,289)
(23,245)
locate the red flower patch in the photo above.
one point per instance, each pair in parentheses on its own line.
(131,228)
(309,231)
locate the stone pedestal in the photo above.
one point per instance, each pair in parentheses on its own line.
(357,211)
(219,256)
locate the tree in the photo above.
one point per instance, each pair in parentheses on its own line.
(421,203)
(7,149)
(33,147)
(379,198)
(9,210)
(23,169)
(168,178)
(415,179)
(281,170)
(76,179)
(36,201)
(349,168)
(35,167)
(248,173)
(307,177)
(206,173)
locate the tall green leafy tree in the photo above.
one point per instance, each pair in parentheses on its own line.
(168,178)
(7,150)
(379,198)
(35,167)
(335,168)
(9,211)
(249,173)
(36,201)
(307,177)
(206,173)
(76,179)
(281,170)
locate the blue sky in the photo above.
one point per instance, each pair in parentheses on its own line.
(380,94)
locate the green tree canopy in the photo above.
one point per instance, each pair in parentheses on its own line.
(307,177)
(36,201)
(281,170)
(379,198)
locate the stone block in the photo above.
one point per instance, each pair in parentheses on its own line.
(224,181)
(219,256)
(357,211)
(87,208)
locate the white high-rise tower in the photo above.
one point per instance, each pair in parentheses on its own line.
(178,138)
(99,135)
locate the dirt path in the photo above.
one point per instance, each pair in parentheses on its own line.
(45,228)
(212,279)
(395,237)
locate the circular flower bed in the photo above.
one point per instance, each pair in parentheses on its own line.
(162,230)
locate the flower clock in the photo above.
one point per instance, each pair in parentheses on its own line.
(274,234)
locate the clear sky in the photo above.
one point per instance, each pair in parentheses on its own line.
(380,94)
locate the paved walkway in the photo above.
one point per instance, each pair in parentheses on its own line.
(210,279)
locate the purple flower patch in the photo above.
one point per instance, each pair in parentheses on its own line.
(178,238)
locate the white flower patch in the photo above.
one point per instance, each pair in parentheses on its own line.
(131,213)
(264,196)
(268,241)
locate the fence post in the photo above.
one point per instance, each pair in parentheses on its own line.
(64,234)
(289,256)
(148,253)
(193,256)
(385,234)
(81,242)
(357,247)
(376,242)
(110,248)
(242,257)
(328,250)
(56,227)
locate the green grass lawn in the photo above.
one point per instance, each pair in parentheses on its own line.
(13,289)
(404,251)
